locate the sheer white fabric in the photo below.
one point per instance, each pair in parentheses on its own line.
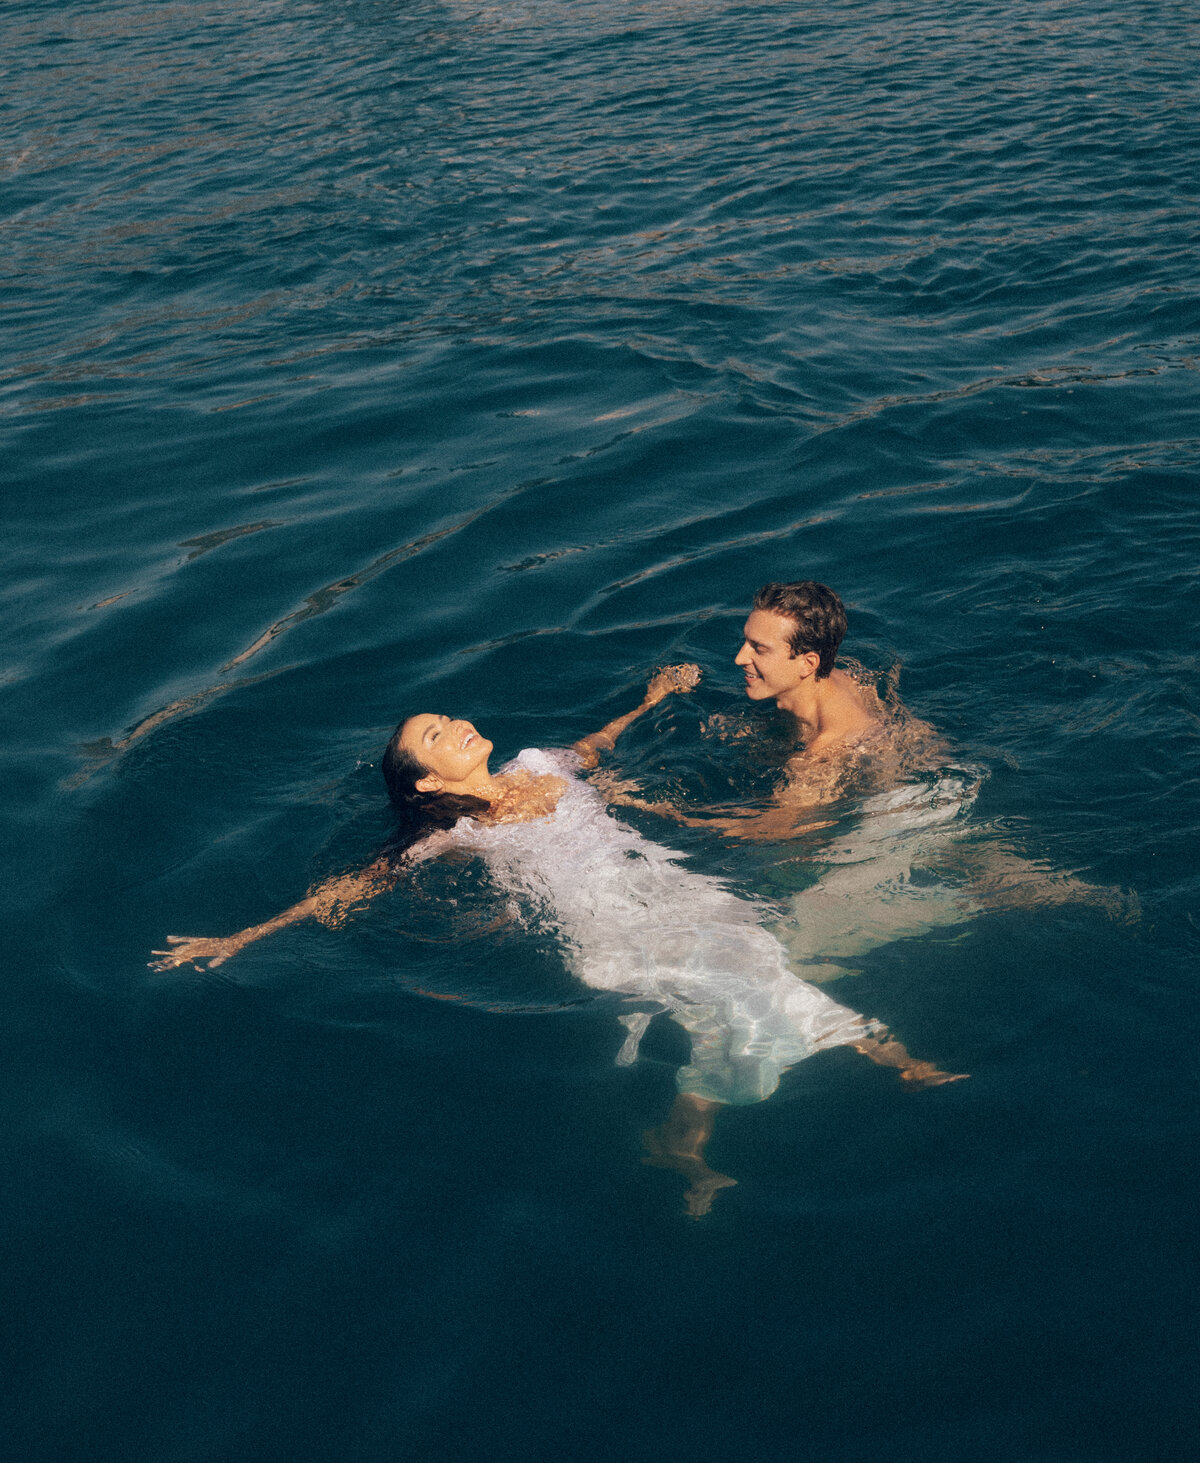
(631,919)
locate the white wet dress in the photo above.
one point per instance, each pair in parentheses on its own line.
(631,919)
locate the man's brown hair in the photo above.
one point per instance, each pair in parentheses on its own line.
(817,613)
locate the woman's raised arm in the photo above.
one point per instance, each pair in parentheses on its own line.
(671,678)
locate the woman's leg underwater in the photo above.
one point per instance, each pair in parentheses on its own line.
(678,1144)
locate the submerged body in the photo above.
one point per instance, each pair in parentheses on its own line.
(880,879)
(631,919)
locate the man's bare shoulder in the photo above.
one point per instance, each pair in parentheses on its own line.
(848,712)
(873,738)
(857,699)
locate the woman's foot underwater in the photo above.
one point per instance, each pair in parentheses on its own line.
(704,1181)
(885,1051)
(678,1144)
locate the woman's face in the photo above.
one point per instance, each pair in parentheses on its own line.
(450,750)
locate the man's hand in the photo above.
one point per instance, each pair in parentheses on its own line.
(671,678)
(192,949)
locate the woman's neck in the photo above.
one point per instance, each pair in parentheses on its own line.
(518,797)
(479,783)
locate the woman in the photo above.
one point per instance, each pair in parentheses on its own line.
(630,919)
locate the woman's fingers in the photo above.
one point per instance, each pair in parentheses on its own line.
(677,677)
(189,950)
(686,676)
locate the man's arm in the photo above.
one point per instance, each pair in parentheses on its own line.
(780,821)
(812,781)
(789,814)
(672,678)
(330,902)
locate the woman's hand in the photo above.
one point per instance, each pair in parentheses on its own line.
(192,949)
(671,678)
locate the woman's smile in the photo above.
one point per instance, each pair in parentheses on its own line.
(451,750)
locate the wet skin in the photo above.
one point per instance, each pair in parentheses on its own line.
(452,752)
(772,670)
(830,709)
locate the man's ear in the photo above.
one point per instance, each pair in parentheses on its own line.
(810,660)
(429,784)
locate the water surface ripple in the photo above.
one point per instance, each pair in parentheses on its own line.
(364,356)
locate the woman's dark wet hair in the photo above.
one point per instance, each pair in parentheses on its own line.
(418,812)
(401,772)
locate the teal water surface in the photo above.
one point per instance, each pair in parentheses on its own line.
(365,358)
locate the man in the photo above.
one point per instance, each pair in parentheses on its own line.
(790,643)
(787,655)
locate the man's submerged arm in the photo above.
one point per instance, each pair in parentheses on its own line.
(784,819)
(330,902)
(672,678)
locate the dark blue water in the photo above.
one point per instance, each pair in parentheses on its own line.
(364,358)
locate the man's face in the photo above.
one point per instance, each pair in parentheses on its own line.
(766,657)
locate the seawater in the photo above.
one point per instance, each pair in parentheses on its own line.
(365,357)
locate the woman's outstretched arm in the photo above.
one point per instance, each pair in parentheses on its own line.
(671,678)
(330,902)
